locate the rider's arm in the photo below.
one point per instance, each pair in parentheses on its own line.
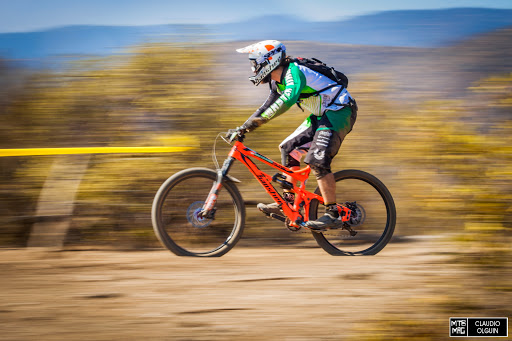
(276,104)
(255,120)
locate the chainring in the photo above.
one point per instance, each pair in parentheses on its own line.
(290,227)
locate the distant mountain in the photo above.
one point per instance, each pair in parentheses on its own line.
(411,28)
(82,40)
(418,28)
(422,28)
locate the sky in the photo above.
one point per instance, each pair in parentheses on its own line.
(32,15)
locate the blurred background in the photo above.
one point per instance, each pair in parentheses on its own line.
(433,82)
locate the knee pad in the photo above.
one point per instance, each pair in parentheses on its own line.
(319,172)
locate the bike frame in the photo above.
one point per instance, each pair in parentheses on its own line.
(303,197)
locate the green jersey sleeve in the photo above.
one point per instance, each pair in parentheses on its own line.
(293,84)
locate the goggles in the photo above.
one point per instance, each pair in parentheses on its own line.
(254,64)
(255,67)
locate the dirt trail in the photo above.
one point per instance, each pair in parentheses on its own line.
(250,293)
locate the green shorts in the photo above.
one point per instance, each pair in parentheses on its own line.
(320,136)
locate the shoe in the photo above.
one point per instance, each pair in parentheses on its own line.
(270,208)
(327,221)
(274,207)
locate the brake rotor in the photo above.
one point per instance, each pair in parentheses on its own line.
(194,217)
(358,214)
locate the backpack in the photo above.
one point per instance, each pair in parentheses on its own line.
(329,72)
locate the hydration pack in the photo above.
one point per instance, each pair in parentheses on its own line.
(329,72)
(316,65)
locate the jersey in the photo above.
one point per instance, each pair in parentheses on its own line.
(296,80)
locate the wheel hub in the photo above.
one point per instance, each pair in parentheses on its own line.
(358,214)
(194,216)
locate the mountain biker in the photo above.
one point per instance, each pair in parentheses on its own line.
(319,137)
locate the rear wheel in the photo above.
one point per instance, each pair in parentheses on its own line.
(180,227)
(373,215)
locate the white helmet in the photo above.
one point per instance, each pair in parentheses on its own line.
(265,56)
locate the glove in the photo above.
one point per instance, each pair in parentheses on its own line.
(253,123)
(233,133)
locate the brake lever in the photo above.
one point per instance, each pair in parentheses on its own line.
(229,136)
(237,133)
(225,140)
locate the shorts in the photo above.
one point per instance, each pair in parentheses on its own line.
(319,138)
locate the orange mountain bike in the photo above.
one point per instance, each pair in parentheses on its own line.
(200,211)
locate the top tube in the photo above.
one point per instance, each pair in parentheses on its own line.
(239,150)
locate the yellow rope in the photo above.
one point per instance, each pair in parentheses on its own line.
(90,150)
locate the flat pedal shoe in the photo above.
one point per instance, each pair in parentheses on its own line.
(270,208)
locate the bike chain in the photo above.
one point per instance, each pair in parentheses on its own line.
(345,235)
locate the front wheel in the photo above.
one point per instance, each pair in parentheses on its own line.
(176,215)
(373,215)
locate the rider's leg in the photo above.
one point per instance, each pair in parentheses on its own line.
(295,146)
(292,161)
(333,128)
(302,135)
(327,187)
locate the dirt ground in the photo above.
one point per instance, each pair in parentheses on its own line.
(249,294)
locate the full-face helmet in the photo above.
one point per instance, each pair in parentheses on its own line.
(265,56)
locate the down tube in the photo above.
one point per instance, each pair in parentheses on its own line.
(263,178)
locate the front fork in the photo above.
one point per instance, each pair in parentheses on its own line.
(208,210)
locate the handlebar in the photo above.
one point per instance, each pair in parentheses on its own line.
(236,134)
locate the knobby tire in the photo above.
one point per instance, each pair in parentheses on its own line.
(184,184)
(327,240)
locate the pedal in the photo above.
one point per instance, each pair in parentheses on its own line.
(278,217)
(265,213)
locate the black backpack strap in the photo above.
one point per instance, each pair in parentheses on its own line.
(316,93)
(336,96)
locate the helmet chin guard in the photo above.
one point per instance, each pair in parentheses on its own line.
(265,57)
